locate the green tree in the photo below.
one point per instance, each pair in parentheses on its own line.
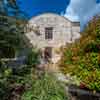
(11,7)
(11,36)
(82,58)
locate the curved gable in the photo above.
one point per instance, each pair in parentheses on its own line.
(50,19)
(49,15)
(57,28)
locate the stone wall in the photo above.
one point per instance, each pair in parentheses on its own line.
(64,31)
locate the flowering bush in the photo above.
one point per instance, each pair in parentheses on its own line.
(82,58)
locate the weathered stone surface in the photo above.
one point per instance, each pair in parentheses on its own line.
(64,31)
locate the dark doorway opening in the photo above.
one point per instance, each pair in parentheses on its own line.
(48,54)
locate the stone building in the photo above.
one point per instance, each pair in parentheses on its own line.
(50,31)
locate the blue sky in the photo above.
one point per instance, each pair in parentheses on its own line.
(35,7)
(81,10)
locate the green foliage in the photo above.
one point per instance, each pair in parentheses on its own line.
(33,57)
(45,87)
(11,36)
(12,80)
(11,43)
(11,7)
(5,73)
(27,83)
(82,58)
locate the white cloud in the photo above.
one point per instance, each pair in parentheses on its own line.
(82,10)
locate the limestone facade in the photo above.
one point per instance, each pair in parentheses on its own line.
(63,31)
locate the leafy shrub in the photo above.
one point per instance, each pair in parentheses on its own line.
(82,58)
(5,73)
(13,80)
(33,57)
(45,87)
(10,81)
(11,36)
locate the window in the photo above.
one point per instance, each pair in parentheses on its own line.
(48,33)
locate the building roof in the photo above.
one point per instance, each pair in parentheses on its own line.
(73,22)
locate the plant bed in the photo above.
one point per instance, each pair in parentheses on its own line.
(83,93)
(81,61)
